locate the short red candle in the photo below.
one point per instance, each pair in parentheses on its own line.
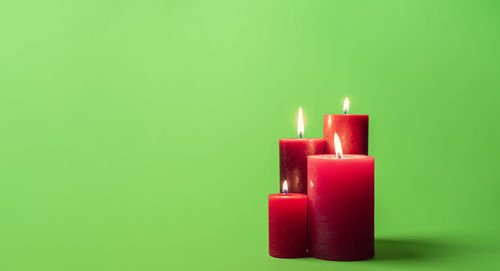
(352,131)
(341,207)
(288,225)
(293,161)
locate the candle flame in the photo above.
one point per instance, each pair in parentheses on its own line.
(346,105)
(338,147)
(300,124)
(285,187)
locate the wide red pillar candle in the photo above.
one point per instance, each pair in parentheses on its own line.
(293,161)
(352,131)
(288,225)
(341,207)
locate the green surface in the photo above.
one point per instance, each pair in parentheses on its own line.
(143,135)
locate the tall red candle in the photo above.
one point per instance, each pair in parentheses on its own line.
(352,131)
(341,207)
(293,158)
(288,225)
(293,161)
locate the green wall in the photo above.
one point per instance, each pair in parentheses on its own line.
(143,135)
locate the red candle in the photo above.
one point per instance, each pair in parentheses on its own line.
(287,225)
(352,131)
(293,158)
(341,207)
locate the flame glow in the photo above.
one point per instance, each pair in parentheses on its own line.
(300,124)
(338,147)
(346,105)
(285,187)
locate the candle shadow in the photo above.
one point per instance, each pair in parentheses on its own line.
(403,251)
(391,249)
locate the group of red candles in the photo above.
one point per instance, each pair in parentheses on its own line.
(326,206)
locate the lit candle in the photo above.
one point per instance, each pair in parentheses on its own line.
(340,205)
(352,131)
(287,224)
(293,157)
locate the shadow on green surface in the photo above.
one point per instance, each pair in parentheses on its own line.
(386,249)
(412,251)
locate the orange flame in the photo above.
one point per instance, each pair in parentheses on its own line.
(300,124)
(338,147)
(285,187)
(346,106)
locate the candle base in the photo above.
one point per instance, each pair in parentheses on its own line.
(343,258)
(301,255)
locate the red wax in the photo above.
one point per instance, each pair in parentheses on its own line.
(340,207)
(352,131)
(288,225)
(293,161)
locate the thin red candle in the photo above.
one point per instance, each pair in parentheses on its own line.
(293,158)
(341,207)
(352,131)
(288,225)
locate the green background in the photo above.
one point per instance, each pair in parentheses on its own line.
(143,135)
